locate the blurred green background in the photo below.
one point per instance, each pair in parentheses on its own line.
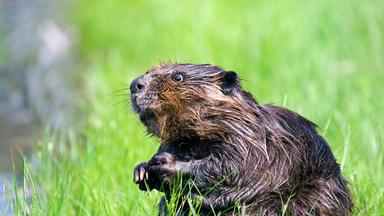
(322,59)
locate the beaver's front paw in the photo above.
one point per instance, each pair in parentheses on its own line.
(164,165)
(145,178)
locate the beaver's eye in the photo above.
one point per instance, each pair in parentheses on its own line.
(178,77)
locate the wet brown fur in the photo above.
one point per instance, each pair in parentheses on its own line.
(269,156)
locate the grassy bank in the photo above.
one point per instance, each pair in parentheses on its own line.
(324,60)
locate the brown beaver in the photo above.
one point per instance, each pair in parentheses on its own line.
(263,158)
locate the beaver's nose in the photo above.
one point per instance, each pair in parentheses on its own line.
(136,86)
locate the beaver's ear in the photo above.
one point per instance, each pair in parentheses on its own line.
(229,81)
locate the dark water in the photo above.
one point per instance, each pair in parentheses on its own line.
(17,133)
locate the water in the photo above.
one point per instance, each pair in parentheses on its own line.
(38,74)
(17,135)
(5,207)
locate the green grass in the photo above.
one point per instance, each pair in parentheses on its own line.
(322,59)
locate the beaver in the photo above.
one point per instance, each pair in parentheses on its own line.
(264,158)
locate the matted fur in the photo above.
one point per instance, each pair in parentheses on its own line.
(264,156)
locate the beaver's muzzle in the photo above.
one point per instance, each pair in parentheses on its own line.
(136,86)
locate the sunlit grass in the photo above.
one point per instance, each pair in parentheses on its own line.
(324,60)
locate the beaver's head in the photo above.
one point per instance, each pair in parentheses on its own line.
(177,100)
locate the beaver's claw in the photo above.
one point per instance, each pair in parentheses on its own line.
(145,178)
